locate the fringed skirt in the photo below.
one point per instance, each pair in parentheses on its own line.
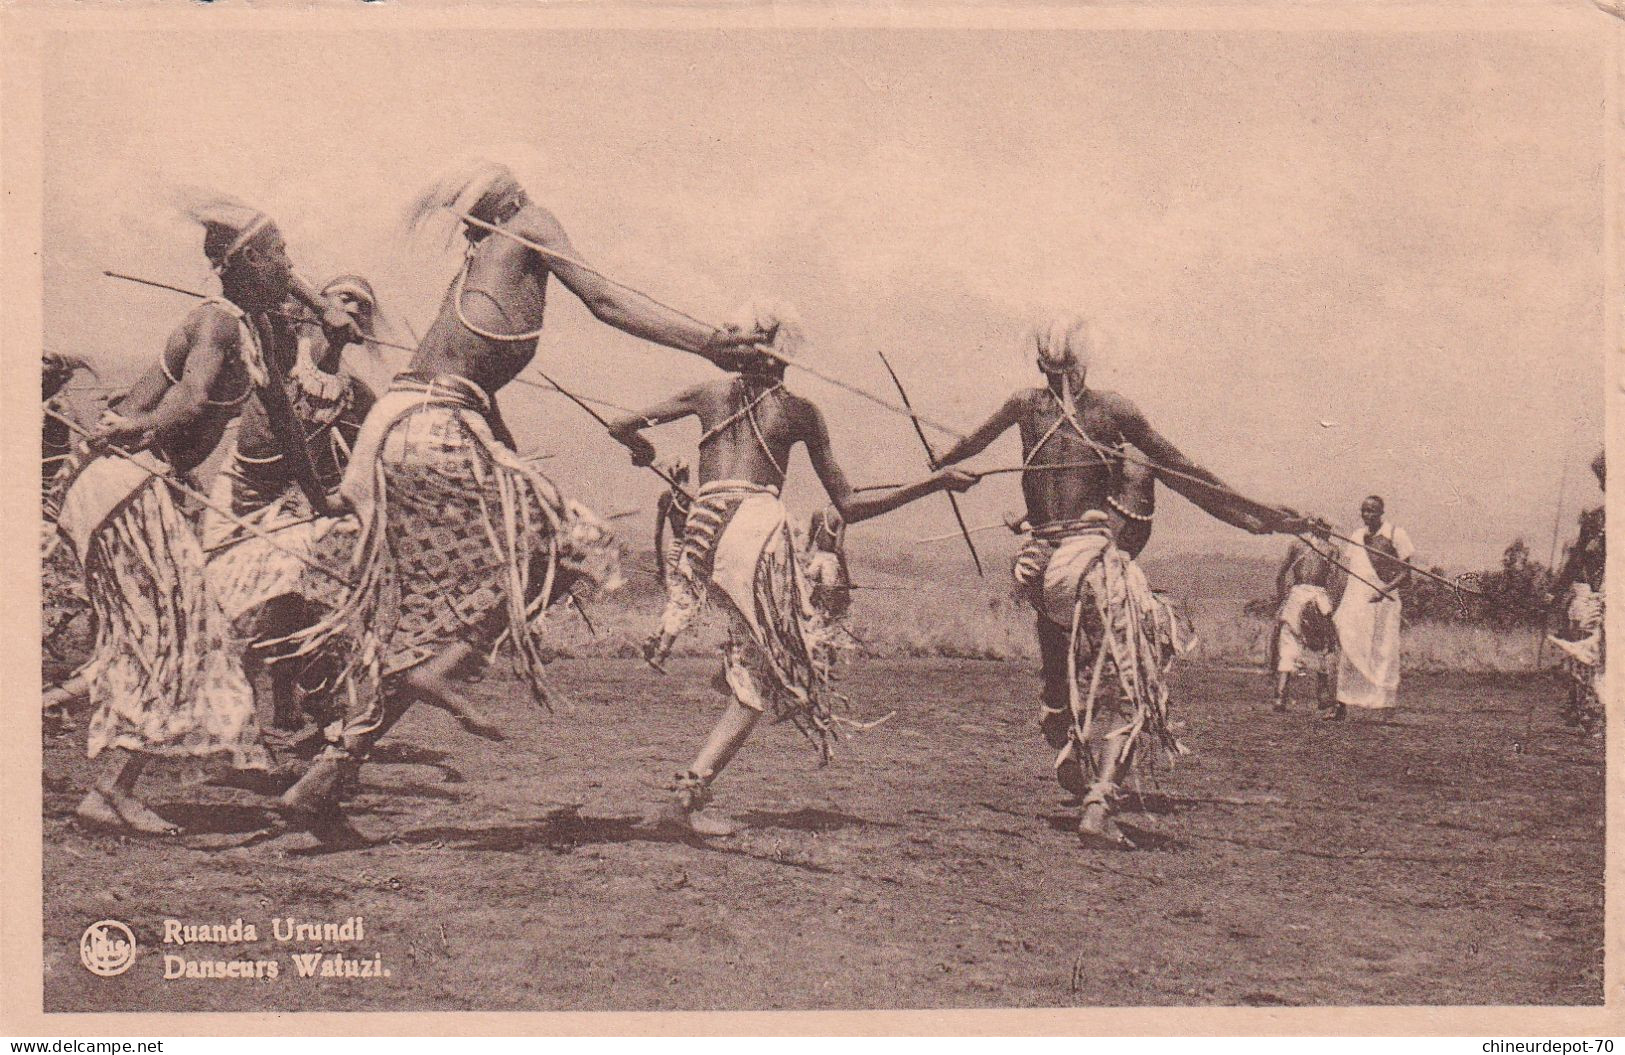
(284,557)
(165,676)
(461,541)
(738,543)
(1584,655)
(62,590)
(1123,635)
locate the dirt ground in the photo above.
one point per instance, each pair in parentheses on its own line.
(1447,858)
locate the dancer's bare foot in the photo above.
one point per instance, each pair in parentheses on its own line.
(138,816)
(655,652)
(117,811)
(317,793)
(683,812)
(440,690)
(676,817)
(95,811)
(1098,828)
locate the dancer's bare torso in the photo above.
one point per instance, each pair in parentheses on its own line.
(502,291)
(1090,438)
(755,445)
(207,333)
(1049,438)
(750,424)
(257,441)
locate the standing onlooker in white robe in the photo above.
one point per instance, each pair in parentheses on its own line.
(1368,619)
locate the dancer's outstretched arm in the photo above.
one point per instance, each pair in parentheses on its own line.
(855,509)
(628,431)
(985,433)
(622,308)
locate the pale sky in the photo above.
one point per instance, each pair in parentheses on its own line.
(1325,264)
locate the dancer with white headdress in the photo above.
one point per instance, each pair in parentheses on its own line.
(1099,624)
(164,677)
(463,544)
(738,547)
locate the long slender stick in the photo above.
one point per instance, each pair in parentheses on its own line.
(554,254)
(230,543)
(931,463)
(828,379)
(1407,565)
(1328,558)
(743,339)
(565,258)
(1124,456)
(279,314)
(205,501)
(600,419)
(980,473)
(977,530)
(370,340)
(844,386)
(522,380)
(156,284)
(1330,534)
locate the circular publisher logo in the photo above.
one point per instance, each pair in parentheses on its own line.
(107,948)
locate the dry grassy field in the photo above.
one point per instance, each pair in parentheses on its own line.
(1445,858)
(928,605)
(1454,856)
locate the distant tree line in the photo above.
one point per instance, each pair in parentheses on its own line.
(1516,594)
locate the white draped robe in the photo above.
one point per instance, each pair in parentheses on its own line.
(1367,632)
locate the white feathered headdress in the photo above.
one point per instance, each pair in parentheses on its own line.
(229,226)
(479,188)
(228,223)
(776,317)
(1061,342)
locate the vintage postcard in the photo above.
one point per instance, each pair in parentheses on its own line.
(910,519)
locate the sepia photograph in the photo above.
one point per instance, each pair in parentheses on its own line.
(719,511)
